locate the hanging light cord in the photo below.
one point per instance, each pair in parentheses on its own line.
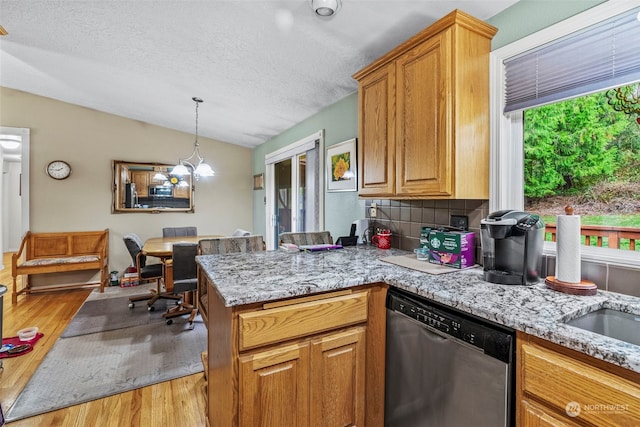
(200,168)
(198,101)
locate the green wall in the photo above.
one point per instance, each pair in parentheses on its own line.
(340,123)
(528,16)
(340,120)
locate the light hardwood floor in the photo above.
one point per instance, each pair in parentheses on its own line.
(178,402)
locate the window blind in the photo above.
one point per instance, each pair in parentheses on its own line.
(596,58)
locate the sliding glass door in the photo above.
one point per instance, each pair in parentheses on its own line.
(293,189)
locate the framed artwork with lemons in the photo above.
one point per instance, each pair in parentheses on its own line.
(342,174)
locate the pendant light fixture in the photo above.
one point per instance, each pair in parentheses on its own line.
(195,161)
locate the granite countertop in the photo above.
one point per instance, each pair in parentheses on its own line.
(537,310)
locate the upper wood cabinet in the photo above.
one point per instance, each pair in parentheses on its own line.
(424,114)
(141,180)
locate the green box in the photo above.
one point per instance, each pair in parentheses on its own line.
(452,248)
(424,237)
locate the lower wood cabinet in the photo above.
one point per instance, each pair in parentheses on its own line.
(535,415)
(309,361)
(320,379)
(274,387)
(561,387)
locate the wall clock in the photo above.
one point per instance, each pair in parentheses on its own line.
(59,169)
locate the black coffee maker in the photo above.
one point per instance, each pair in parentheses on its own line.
(512,244)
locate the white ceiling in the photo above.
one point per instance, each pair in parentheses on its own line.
(260,66)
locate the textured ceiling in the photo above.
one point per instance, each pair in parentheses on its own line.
(259,66)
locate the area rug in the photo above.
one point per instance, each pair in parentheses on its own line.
(88,367)
(113,313)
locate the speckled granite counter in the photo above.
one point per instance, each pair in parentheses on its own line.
(536,310)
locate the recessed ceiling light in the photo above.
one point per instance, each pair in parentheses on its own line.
(325,8)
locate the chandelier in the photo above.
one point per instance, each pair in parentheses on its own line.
(195,161)
(625,99)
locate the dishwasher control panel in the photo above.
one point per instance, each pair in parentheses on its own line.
(492,341)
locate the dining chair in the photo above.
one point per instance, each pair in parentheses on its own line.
(306,238)
(183,270)
(227,245)
(239,232)
(179,231)
(220,246)
(146,272)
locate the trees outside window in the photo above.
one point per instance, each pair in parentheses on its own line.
(585,153)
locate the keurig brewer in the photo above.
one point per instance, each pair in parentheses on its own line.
(512,244)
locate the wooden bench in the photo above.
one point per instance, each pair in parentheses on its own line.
(41,253)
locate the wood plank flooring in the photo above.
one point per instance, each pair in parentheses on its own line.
(178,402)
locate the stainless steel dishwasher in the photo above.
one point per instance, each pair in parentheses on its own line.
(445,368)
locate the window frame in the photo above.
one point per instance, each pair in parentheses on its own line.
(292,151)
(506,165)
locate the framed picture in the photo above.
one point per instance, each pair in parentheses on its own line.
(342,174)
(258,181)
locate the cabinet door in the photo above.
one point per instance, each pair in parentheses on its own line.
(535,416)
(376,147)
(274,387)
(423,137)
(181,192)
(337,379)
(141,180)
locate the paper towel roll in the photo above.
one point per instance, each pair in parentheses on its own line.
(568,248)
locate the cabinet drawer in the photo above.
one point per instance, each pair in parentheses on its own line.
(558,380)
(298,320)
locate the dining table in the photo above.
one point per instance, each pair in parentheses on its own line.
(162,247)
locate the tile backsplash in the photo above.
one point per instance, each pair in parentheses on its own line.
(405,219)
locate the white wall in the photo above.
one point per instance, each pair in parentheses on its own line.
(90,140)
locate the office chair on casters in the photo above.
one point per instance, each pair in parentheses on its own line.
(184,272)
(179,231)
(145,273)
(225,245)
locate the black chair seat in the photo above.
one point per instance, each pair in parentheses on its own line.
(151,271)
(184,285)
(146,272)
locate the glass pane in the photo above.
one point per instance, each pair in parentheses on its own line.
(282,171)
(585,153)
(302,192)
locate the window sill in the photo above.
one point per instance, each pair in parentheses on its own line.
(618,257)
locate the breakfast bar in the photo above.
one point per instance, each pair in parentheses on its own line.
(245,284)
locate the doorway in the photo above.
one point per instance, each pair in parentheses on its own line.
(293,188)
(14,191)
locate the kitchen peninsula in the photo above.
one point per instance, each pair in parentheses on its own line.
(250,293)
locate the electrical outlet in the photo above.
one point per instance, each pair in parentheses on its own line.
(461,222)
(373,210)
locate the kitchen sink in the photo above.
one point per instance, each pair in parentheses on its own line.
(610,323)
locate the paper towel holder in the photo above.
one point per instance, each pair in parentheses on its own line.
(585,287)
